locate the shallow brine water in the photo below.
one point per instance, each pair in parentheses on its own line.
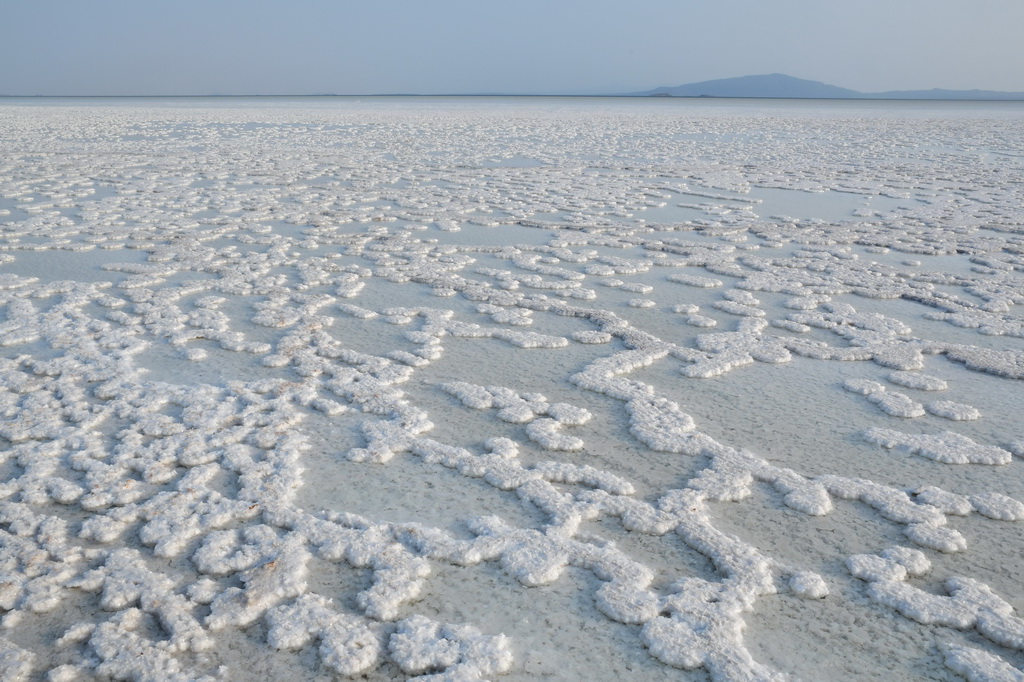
(526,388)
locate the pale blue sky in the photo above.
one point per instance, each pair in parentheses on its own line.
(134,47)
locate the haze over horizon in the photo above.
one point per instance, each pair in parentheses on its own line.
(116,47)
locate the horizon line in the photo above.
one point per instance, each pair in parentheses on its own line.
(877,96)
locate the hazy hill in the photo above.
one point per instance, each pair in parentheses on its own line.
(781,86)
(771,85)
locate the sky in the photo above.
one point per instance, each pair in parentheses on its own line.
(230,47)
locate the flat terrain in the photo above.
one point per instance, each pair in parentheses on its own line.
(519,389)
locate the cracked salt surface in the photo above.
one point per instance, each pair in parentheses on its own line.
(604,389)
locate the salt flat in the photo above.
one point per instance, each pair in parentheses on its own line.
(524,388)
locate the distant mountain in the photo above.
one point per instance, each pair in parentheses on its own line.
(771,85)
(777,85)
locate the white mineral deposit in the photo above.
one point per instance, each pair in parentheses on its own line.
(465,389)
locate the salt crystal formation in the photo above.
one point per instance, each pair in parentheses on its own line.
(322,389)
(890,402)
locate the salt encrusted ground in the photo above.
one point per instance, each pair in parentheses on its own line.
(532,389)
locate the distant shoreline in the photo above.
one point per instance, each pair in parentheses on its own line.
(781,86)
(659,96)
(765,86)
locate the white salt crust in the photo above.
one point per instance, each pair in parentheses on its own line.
(947,447)
(895,404)
(701,321)
(976,665)
(970,604)
(952,410)
(191,334)
(592,337)
(808,585)
(696,281)
(921,382)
